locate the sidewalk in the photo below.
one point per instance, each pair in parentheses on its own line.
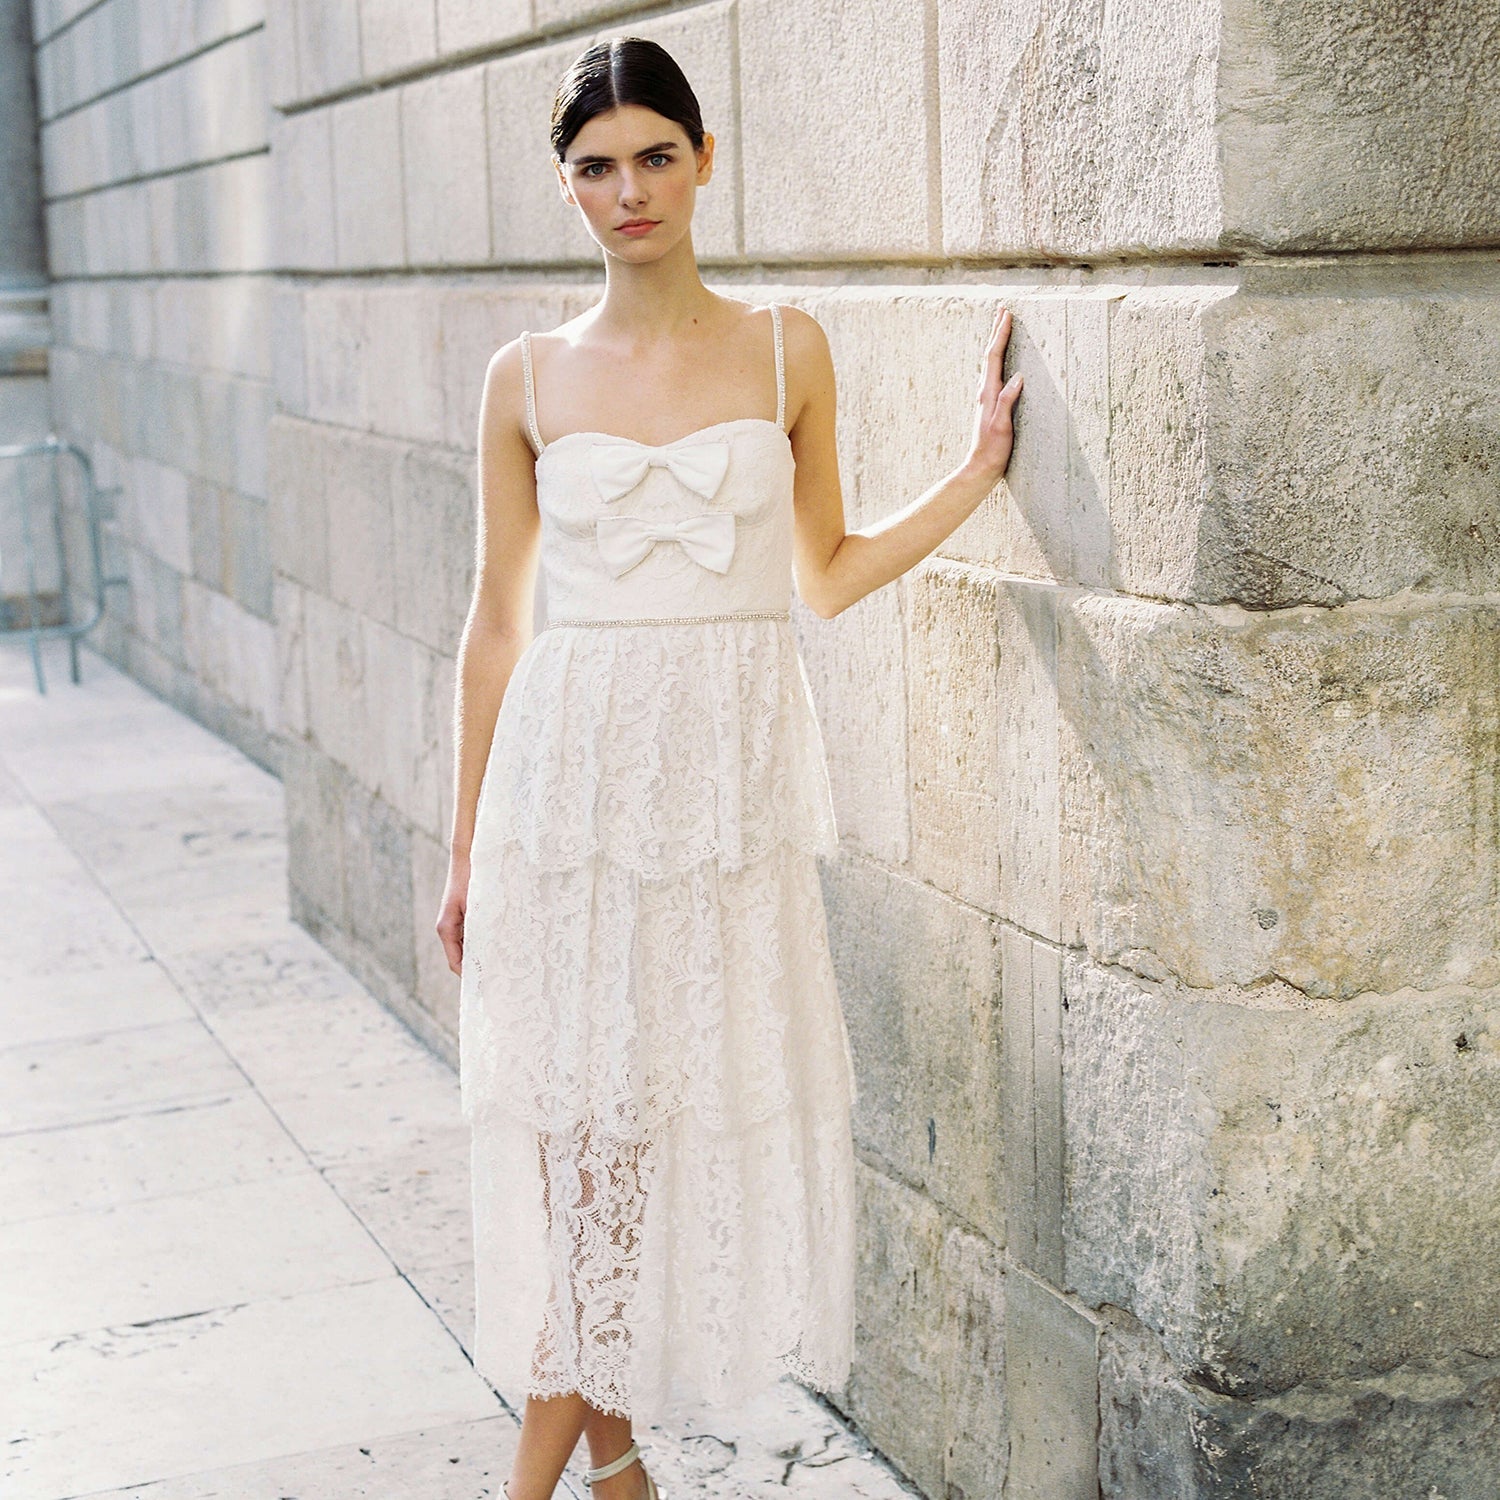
(234,1212)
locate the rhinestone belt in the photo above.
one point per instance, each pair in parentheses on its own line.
(744,614)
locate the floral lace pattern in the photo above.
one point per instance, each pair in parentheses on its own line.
(653,1057)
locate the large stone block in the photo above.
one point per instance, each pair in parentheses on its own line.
(357,496)
(302,201)
(1052,1388)
(1284,1193)
(1305,796)
(336,334)
(433,521)
(327,48)
(1076,129)
(854,178)
(919,976)
(929,1382)
(1424,1430)
(404,397)
(394,34)
(954,754)
(297,514)
(463,25)
(443,166)
(368,183)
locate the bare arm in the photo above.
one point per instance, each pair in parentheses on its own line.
(498,627)
(836,568)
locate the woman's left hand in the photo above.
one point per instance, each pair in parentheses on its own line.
(989,452)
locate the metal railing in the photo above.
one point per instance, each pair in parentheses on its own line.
(31,523)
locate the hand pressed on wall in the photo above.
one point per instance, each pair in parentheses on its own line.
(990,447)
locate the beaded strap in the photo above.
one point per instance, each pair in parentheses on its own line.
(744,614)
(780,366)
(531,427)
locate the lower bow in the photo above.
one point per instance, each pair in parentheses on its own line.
(707,539)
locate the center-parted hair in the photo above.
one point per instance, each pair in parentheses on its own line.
(623,70)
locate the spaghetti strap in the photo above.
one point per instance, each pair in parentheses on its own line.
(531,427)
(780,366)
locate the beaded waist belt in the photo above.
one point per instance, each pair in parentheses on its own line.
(743,614)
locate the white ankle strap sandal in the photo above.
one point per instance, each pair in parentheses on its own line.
(628,1457)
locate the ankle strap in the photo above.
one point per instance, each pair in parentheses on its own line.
(624,1461)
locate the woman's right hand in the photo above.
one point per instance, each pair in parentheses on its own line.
(450,922)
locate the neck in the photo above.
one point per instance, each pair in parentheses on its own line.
(646,304)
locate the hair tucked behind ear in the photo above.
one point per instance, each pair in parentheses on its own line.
(623,70)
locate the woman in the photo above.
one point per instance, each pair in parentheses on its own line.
(653,1058)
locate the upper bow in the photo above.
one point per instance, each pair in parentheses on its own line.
(618,467)
(707,538)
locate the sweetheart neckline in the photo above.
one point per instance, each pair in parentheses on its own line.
(614,437)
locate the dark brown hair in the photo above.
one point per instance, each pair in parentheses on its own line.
(623,70)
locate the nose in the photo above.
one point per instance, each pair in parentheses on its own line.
(631,191)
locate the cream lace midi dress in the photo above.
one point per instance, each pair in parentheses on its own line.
(654,1062)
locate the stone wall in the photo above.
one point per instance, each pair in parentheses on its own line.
(156,161)
(1166,913)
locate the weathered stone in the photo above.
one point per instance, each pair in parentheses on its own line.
(1305,795)
(433,518)
(1051,1363)
(405,393)
(463,24)
(1075,129)
(919,976)
(357,470)
(1427,1429)
(929,1382)
(335,324)
(1031,1094)
(315,834)
(853,178)
(327,48)
(442,165)
(303,231)
(954,753)
(1283,1192)
(368,191)
(394,34)
(1027,789)
(296,515)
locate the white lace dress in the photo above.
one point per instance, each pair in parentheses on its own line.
(654,1061)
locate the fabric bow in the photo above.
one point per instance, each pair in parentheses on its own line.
(618,467)
(707,538)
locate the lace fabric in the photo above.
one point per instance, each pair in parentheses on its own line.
(653,1058)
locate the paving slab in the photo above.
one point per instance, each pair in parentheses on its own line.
(235,1227)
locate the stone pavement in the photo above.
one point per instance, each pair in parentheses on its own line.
(234,1214)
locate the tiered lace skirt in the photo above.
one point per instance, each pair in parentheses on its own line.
(654,1061)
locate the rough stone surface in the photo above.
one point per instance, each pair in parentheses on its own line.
(1284,1193)
(929,1382)
(919,975)
(1426,1430)
(1305,796)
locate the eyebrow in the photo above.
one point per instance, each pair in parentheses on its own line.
(580,161)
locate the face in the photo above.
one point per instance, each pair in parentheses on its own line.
(631,164)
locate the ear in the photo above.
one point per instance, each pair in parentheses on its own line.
(706,159)
(562,183)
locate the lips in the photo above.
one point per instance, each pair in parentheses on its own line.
(638,224)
